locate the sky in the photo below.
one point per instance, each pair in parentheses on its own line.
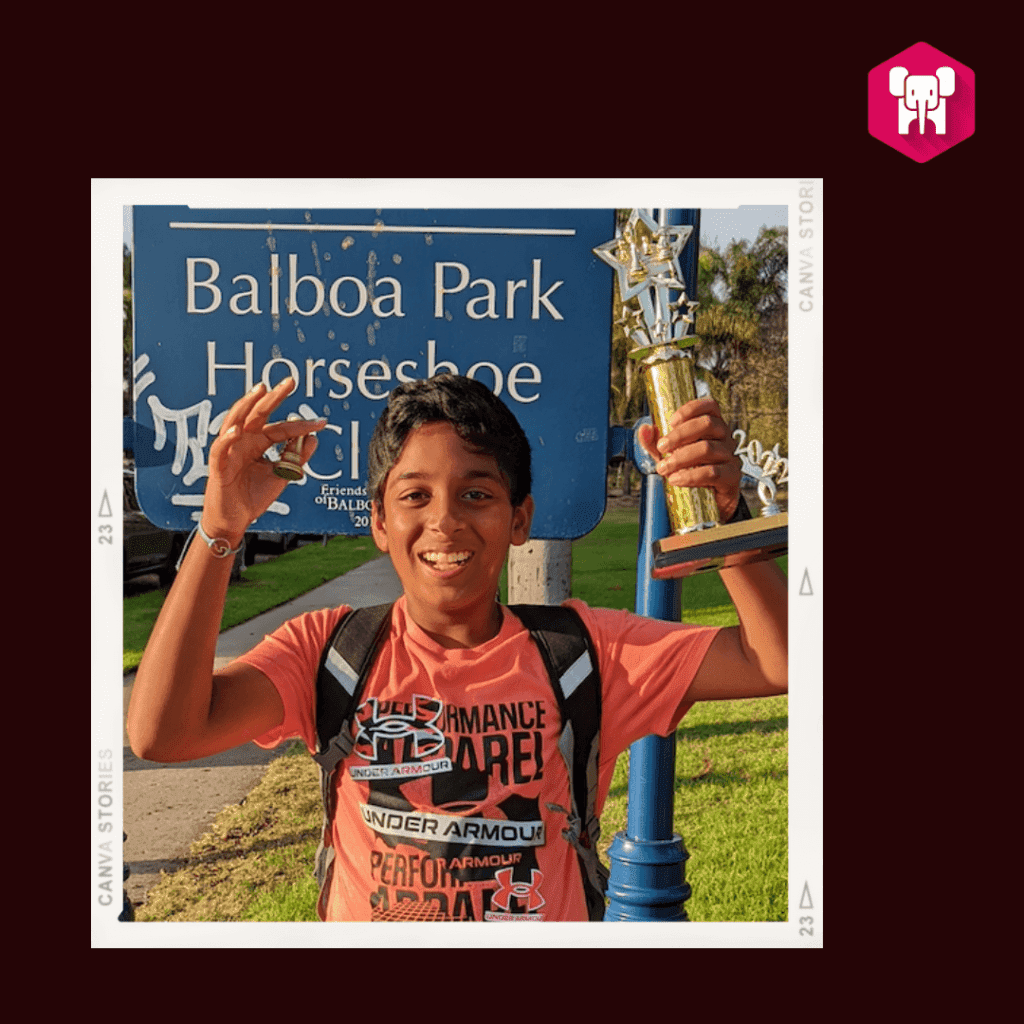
(744,222)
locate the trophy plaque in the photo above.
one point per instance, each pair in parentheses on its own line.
(645,258)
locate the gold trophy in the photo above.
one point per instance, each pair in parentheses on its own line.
(646,259)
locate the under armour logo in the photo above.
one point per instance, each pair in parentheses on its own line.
(378,723)
(529,891)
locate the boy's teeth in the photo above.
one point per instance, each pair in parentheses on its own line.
(438,556)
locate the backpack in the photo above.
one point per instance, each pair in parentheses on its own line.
(569,656)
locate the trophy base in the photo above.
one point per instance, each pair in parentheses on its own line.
(753,540)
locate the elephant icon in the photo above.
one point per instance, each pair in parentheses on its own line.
(922,96)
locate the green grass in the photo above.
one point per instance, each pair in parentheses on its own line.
(604,562)
(731,756)
(730,806)
(255,863)
(262,587)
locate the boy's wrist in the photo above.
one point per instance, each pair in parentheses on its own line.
(221,542)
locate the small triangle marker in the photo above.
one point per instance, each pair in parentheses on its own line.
(805,585)
(105,506)
(805,899)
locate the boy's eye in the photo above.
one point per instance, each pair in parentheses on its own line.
(417,496)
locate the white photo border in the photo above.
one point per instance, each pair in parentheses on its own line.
(803,197)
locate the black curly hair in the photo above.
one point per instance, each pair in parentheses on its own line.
(478,416)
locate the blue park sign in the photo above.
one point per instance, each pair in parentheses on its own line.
(351,303)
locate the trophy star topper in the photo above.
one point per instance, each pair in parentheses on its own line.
(643,254)
(646,258)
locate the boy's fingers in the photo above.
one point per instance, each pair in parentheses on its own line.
(703,426)
(698,407)
(250,412)
(285,430)
(218,450)
(697,450)
(266,404)
(692,441)
(647,435)
(241,409)
(234,444)
(309,445)
(720,474)
(229,450)
(700,450)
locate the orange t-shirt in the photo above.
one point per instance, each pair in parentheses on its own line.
(452,803)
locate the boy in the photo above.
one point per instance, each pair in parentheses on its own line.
(454,796)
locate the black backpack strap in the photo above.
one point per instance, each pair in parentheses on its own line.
(341,676)
(344,665)
(571,660)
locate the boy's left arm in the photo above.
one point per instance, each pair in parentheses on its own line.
(752,659)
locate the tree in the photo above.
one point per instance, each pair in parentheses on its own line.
(759,387)
(627,391)
(742,351)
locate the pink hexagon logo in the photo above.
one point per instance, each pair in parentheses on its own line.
(921,102)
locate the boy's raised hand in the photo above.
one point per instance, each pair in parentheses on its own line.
(697,452)
(242,483)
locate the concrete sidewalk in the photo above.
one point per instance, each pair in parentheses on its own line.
(167,807)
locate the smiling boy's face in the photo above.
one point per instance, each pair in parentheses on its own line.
(447,522)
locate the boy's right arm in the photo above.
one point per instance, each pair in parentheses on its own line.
(181,709)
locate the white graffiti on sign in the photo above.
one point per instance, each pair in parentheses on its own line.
(188,444)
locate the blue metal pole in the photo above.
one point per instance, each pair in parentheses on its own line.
(647,879)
